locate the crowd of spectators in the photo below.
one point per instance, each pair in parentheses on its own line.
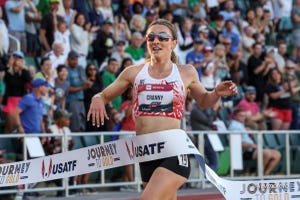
(82,45)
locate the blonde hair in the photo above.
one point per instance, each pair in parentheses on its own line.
(20,62)
(137,18)
(173,30)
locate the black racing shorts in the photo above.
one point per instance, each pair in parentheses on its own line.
(178,164)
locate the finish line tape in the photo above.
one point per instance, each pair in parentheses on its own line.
(139,149)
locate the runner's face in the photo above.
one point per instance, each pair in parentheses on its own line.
(163,42)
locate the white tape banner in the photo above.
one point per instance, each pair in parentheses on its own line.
(139,149)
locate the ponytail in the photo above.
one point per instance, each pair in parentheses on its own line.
(174,58)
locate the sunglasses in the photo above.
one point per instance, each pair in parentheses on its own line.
(162,37)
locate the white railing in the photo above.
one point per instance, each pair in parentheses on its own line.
(14,43)
(137,182)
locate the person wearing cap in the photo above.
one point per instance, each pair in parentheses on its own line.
(47,25)
(75,100)
(203,33)
(119,51)
(195,57)
(255,119)
(29,112)
(15,11)
(209,80)
(16,80)
(150,17)
(60,125)
(103,44)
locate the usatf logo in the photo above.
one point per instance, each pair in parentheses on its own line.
(144,150)
(44,173)
(57,168)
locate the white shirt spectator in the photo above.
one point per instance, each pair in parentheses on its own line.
(65,39)
(4,36)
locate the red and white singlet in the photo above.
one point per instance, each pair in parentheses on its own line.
(159,97)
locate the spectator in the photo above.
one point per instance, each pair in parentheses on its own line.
(82,7)
(81,38)
(121,29)
(108,77)
(119,51)
(62,35)
(290,77)
(202,119)
(69,13)
(15,11)
(195,57)
(61,87)
(3,35)
(29,112)
(60,144)
(137,24)
(33,19)
(43,7)
(179,9)
(280,55)
(151,15)
(47,25)
(203,33)
(220,62)
(16,79)
(61,126)
(257,71)
(235,46)
(135,49)
(279,96)
(270,156)
(56,56)
(95,15)
(106,10)
(282,14)
(95,78)
(125,63)
(167,15)
(249,19)
(185,39)
(247,42)
(255,119)
(75,99)
(208,79)
(229,13)
(103,43)
(197,8)
(296,30)
(46,70)
(217,30)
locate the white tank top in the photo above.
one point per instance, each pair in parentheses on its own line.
(159,97)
